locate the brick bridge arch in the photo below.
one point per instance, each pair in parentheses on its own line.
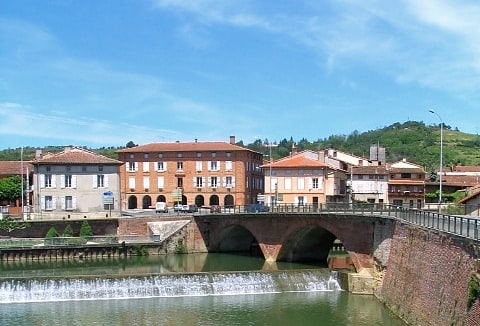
(292,237)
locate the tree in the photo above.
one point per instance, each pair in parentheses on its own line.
(10,225)
(52,233)
(10,188)
(131,144)
(68,232)
(86,230)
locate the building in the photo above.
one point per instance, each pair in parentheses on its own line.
(199,173)
(304,178)
(369,184)
(471,202)
(75,183)
(406,184)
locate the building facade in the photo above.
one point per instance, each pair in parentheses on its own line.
(194,173)
(303,178)
(406,184)
(75,183)
(369,184)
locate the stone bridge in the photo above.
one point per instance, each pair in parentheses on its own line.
(298,237)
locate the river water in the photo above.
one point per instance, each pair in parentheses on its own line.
(197,289)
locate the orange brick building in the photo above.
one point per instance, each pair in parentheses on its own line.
(200,173)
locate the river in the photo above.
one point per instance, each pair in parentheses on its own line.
(194,289)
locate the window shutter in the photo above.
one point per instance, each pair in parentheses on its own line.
(224,181)
(42,181)
(203,182)
(105,180)
(131,183)
(194,182)
(74,202)
(62,181)
(199,166)
(310,183)
(54,181)
(218,166)
(228,165)
(94,181)
(146,182)
(74,181)
(164,166)
(160,182)
(209,182)
(296,200)
(233,182)
(63,202)
(209,165)
(146,166)
(54,203)
(136,166)
(42,200)
(127,166)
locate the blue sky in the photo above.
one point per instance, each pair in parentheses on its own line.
(102,73)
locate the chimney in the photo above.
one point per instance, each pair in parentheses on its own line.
(232,140)
(294,150)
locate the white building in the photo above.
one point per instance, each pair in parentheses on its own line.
(75,183)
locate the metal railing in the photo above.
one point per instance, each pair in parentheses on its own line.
(458,225)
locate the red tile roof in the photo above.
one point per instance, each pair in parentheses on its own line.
(9,168)
(76,155)
(297,161)
(184,147)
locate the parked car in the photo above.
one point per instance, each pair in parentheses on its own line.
(215,209)
(161,207)
(192,208)
(256,208)
(178,208)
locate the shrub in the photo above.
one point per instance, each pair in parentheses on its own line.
(68,232)
(52,233)
(86,230)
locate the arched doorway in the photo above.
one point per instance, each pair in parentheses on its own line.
(228,201)
(132,202)
(161,198)
(146,202)
(199,201)
(214,200)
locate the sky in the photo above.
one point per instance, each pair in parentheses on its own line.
(103,73)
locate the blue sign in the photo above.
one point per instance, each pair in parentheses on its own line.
(108,198)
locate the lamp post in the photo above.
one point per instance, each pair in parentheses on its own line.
(441,161)
(270,145)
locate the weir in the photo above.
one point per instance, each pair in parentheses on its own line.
(22,290)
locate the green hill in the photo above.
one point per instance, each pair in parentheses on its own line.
(411,140)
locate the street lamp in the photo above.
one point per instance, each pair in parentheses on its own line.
(441,161)
(270,145)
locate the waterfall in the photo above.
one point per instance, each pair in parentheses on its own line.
(165,285)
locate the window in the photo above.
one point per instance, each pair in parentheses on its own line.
(288,183)
(68,204)
(100,180)
(132,155)
(179,166)
(146,166)
(198,166)
(48,206)
(213,166)
(131,183)
(48,181)
(301,200)
(160,155)
(213,182)
(48,169)
(300,184)
(161,182)
(229,154)
(69,168)
(68,181)
(199,182)
(360,176)
(131,166)
(146,183)
(100,168)
(179,155)
(228,166)
(214,154)
(161,166)
(145,155)
(371,176)
(199,154)
(84,169)
(229,182)
(315,183)
(179,182)
(406,175)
